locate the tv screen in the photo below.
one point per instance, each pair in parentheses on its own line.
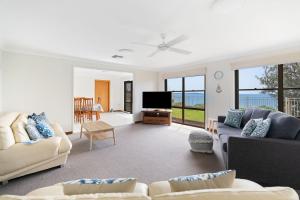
(157,100)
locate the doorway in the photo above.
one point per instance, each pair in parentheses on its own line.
(102,94)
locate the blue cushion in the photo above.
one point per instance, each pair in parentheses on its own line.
(33,132)
(260,113)
(262,128)
(246,116)
(45,129)
(100,181)
(249,128)
(38,118)
(234,118)
(284,126)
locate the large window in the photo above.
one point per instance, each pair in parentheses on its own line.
(188,99)
(274,87)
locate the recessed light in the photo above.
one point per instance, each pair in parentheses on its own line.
(125,50)
(117,56)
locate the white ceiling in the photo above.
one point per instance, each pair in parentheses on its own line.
(96,29)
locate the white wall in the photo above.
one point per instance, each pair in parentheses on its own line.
(84,85)
(1,60)
(34,83)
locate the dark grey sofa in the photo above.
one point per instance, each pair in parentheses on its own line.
(270,161)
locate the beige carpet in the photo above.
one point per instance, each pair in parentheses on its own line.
(146,152)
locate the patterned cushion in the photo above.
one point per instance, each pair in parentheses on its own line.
(33,132)
(262,128)
(45,129)
(38,118)
(222,179)
(89,186)
(234,118)
(249,128)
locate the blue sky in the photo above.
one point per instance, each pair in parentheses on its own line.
(191,83)
(247,80)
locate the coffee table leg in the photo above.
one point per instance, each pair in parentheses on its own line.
(91,142)
(114,136)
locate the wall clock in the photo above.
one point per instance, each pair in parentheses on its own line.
(218,75)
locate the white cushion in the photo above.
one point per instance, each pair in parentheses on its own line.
(6,135)
(18,127)
(162,187)
(58,189)
(103,196)
(274,193)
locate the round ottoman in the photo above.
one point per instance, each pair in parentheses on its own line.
(201,141)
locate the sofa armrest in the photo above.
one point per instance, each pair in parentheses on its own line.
(267,161)
(66,144)
(221,119)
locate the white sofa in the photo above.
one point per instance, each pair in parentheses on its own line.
(18,158)
(241,190)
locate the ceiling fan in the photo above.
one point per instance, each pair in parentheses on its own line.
(167,46)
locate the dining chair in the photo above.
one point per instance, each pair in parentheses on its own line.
(78,113)
(88,108)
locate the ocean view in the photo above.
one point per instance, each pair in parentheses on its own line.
(246,100)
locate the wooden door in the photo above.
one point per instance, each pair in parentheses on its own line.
(102,90)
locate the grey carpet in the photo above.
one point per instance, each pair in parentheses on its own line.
(146,152)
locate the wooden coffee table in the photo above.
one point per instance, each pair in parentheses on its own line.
(98,130)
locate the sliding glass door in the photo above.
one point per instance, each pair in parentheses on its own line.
(188,99)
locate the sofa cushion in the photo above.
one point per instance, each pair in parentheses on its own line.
(246,117)
(38,118)
(32,131)
(24,155)
(18,127)
(283,126)
(45,129)
(234,118)
(223,179)
(163,187)
(99,196)
(227,130)
(90,186)
(58,189)
(262,128)
(260,113)
(272,193)
(249,128)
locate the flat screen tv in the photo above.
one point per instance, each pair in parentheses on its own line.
(161,100)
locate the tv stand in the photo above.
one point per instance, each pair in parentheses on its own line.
(157,117)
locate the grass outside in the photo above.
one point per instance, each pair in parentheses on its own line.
(192,115)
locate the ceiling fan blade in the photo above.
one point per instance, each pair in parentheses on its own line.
(155,52)
(177,40)
(179,50)
(144,44)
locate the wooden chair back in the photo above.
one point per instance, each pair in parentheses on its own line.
(77,104)
(88,104)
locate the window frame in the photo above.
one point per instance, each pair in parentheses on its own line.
(280,89)
(183,107)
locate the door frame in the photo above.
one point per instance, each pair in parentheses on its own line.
(108,81)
